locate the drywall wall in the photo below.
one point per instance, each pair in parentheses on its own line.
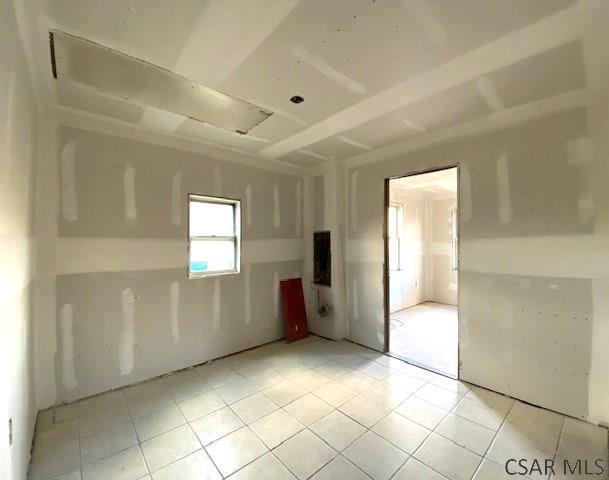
(533,257)
(319,203)
(18,131)
(324,203)
(426,272)
(118,307)
(444,278)
(407,286)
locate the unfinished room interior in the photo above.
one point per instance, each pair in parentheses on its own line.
(293,239)
(422,240)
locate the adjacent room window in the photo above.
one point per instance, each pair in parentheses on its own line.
(394,227)
(214,241)
(454,239)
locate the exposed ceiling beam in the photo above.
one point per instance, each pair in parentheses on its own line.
(549,33)
(488,123)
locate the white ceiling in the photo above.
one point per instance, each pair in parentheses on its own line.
(432,185)
(372,72)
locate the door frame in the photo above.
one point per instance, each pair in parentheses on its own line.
(386,285)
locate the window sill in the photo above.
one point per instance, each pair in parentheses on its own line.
(192,276)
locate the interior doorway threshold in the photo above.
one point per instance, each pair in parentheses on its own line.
(424,367)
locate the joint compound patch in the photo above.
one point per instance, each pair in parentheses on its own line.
(69,203)
(276,295)
(503,189)
(276,212)
(126,361)
(176,199)
(216,306)
(247,270)
(586,208)
(465,195)
(129,194)
(298,208)
(355,297)
(353,203)
(218,181)
(174,293)
(68,375)
(248,205)
(580,151)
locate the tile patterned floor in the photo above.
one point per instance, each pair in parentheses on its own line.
(427,335)
(313,409)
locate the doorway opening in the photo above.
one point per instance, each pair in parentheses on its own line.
(421,270)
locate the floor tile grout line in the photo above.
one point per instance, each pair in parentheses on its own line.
(478,423)
(432,431)
(560,434)
(176,460)
(334,380)
(211,459)
(421,461)
(330,446)
(271,450)
(82,473)
(503,421)
(267,450)
(408,457)
(130,421)
(139,443)
(280,407)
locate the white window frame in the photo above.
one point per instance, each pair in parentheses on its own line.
(398,232)
(236,238)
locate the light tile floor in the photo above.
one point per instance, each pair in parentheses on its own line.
(427,335)
(312,409)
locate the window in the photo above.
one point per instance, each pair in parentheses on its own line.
(394,227)
(214,237)
(454,239)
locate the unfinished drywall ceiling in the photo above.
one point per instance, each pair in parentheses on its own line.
(111,72)
(370,73)
(430,185)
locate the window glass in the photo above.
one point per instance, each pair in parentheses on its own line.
(394,255)
(214,240)
(454,239)
(211,219)
(394,228)
(206,256)
(392,222)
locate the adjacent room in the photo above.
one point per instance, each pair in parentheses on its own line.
(304,239)
(423,254)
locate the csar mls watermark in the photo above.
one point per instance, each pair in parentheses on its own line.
(546,466)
